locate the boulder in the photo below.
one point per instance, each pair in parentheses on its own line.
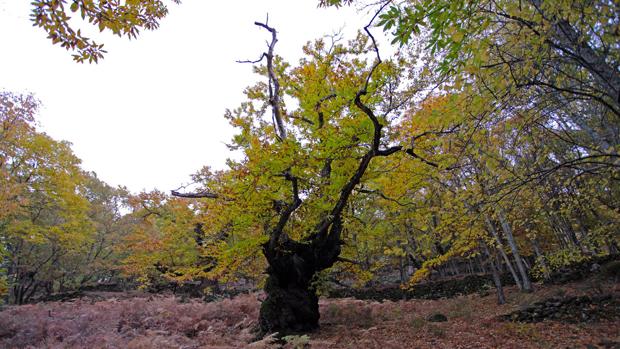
(437,317)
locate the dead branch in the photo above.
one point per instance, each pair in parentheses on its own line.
(195,195)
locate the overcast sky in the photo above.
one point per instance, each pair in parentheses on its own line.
(151,112)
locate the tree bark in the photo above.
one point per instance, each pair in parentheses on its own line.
(292,305)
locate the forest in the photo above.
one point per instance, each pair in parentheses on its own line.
(448,178)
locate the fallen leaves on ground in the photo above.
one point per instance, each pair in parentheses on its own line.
(167,322)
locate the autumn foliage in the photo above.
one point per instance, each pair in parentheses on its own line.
(487,144)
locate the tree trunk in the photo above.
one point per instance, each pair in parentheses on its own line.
(455,267)
(500,266)
(527,285)
(493,231)
(14,295)
(501,299)
(292,305)
(541,258)
(612,246)
(567,227)
(401,269)
(481,265)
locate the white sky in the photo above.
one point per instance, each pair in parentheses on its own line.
(151,112)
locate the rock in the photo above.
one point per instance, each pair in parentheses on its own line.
(606,266)
(437,317)
(611,269)
(572,310)
(429,290)
(607,344)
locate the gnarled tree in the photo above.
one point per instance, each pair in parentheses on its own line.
(330,117)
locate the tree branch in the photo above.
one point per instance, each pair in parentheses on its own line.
(385,197)
(346,190)
(274,84)
(318,106)
(346,260)
(195,195)
(416,156)
(275,234)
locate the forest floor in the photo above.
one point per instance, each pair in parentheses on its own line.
(134,320)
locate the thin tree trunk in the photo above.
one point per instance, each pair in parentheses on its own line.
(569,231)
(481,265)
(401,268)
(509,265)
(527,285)
(455,267)
(29,295)
(501,299)
(541,258)
(500,265)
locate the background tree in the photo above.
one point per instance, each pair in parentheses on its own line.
(541,77)
(57,222)
(165,244)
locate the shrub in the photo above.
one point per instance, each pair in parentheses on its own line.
(558,260)
(297,342)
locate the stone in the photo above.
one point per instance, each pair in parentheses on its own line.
(437,317)
(573,310)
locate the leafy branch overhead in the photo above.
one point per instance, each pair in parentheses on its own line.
(60,19)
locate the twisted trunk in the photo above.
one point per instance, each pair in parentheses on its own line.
(292,305)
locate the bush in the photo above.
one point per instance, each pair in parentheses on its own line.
(558,260)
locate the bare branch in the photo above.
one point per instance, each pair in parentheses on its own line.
(385,197)
(274,83)
(301,118)
(389,151)
(196,195)
(437,133)
(416,156)
(347,189)
(255,61)
(346,260)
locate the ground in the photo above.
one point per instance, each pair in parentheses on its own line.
(119,320)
